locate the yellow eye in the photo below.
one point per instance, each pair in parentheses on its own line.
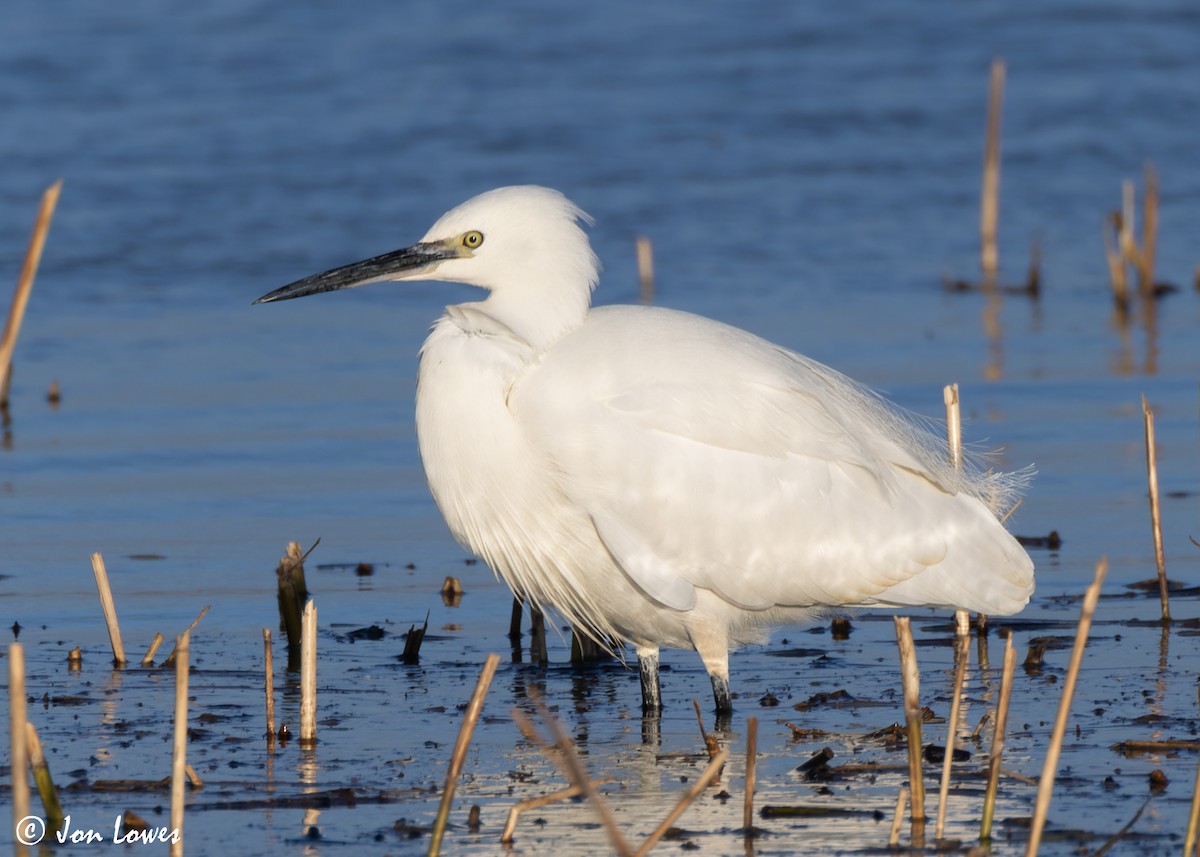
(472,240)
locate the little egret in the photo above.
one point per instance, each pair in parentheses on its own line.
(662,478)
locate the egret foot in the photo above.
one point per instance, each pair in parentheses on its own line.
(651,688)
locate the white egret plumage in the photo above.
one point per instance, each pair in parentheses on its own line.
(662,478)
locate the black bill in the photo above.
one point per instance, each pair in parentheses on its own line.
(399,264)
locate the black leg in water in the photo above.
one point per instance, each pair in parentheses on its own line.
(721,695)
(651,689)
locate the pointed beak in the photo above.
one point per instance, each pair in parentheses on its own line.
(407,264)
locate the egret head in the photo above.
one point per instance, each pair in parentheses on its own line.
(512,239)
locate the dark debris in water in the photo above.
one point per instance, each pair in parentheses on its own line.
(781,811)
(1141,748)
(935,754)
(1149,587)
(836,699)
(1052,541)
(371,632)
(339,797)
(797,653)
(816,769)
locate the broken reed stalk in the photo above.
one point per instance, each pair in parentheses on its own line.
(18,748)
(1050,768)
(1160,562)
(751,773)
(412,642)
(16,311)
(911,677)
(710,773)
(460,752)
(148,658)
(571,766)
(989,209)
(269,671)
(514,814)
(1006,681)
(192,627)
(1189,842)
(961,655)
(110,609)
(308,675)
(1120,834)
(1146,253)
(645,266)
(179,749)
(41,777)
(293,593)
(710,741)
(898,818)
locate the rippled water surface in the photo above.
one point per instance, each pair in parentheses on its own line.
(807,171)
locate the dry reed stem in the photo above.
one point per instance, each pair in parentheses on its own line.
(1120,834)
(1116,263)
(1160,562)
(1146,254)
(961,655)
(1125,239)
(269,673)
(308,674)
(898,818)
(110,609)
(192,627)
(18,746)
(1007,515)
(953,424)
(751,773)
(911,677)
(710,741)
(962,619)
(571,766)
(1190,845)
(41,776)
(1050,768)
(514,814)
(706,778)
(645,266)
(460,752)
(33,257)
(1006,681)
(179,749)
(989,209)
(148,658)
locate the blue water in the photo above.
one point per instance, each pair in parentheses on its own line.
(807,171)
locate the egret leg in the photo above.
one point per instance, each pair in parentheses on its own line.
(720,686)
(713,647)
(651,688)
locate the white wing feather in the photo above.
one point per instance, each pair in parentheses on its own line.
(757,474)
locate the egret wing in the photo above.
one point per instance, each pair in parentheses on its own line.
(709,458)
